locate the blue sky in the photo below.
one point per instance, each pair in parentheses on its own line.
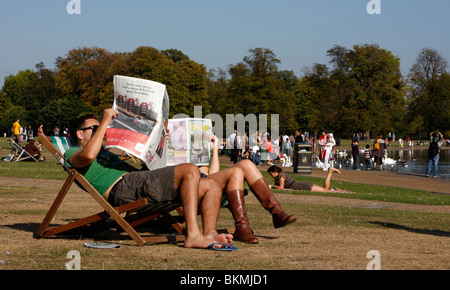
(220,33)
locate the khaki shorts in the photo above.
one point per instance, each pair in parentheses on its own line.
(155,185)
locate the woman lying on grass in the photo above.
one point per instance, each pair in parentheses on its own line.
(284,181)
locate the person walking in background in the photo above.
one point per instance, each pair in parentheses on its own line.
(327,149)
(379,147)
(16,131)
(56,131)
(40,130)
(30,133)
(322,141)
(436,142)
(355,154)
(367,156)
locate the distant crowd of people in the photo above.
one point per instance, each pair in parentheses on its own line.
(261,148)
(25,134)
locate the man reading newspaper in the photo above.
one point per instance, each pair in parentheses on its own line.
(121,183)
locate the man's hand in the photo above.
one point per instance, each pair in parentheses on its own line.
(214,141)
(168,136)
(109,115)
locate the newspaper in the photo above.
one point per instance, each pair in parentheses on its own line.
(141,125)
(189,141)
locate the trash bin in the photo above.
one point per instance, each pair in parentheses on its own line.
(263,153)
(302,159)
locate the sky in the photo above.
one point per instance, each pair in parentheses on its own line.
(220,33)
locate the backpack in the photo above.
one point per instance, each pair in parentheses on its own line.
(376,146)
(434,149)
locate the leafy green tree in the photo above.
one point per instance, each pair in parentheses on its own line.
(377,97)
(185,79)
(11,114)
(363,92)
(430,92)
(87,73)
(63,111)
(255,86)
(20,89)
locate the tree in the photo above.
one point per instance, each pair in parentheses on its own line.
(63,111)
(430,91)
(26,90)
(185,79)
(377,95)
(262,62)
(87,73)
(20,89)
(364,91)
(255,86)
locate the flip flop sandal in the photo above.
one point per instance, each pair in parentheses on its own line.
(224,248)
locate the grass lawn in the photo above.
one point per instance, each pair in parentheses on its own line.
(325,236)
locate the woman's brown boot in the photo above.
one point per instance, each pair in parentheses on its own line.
(262,191)
(236,205)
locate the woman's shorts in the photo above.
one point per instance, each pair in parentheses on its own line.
(301,185)
(155,185)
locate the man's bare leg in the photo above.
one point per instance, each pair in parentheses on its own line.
(187,179)
(210,194)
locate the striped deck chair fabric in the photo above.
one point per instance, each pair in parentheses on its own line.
(62,144)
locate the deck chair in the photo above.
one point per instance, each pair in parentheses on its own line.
(137,212)
(19,153)
(125,156)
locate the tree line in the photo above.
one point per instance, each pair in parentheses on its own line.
(360,90)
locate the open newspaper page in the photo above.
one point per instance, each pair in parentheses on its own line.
(141,125)
(189,141)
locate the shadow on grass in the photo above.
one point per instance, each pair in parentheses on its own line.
(437,233)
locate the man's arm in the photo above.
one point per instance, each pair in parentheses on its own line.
(90,150)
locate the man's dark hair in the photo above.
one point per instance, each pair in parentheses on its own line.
(76,125)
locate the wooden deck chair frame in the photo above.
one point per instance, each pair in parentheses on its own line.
(97,221)
(126,156)
(19,153)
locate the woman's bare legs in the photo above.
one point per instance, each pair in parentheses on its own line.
(327,183)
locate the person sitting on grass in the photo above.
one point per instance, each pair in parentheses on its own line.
(284,181)
(121,183)
(34,150)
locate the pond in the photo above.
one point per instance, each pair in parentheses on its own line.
(408,161)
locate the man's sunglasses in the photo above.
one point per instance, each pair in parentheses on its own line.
(93,128)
